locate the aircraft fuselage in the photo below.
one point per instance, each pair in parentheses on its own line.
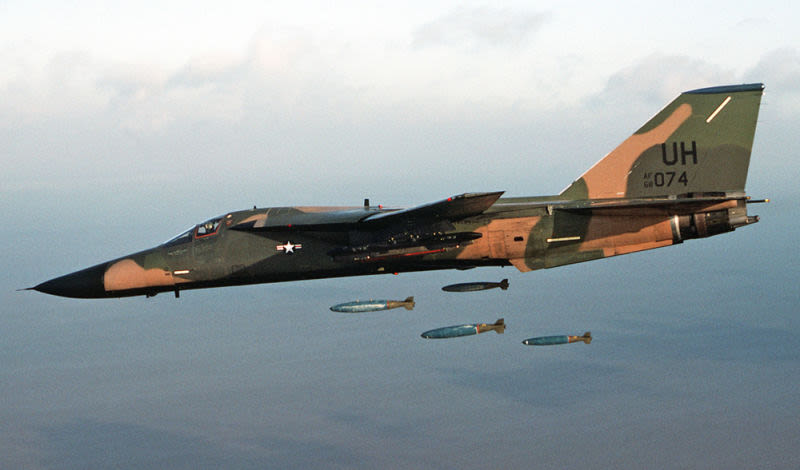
(528,233)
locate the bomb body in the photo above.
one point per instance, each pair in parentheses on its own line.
(360,306)
(465,330)
(558,339)
(476,286)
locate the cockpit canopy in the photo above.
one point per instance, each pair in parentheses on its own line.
(206,229)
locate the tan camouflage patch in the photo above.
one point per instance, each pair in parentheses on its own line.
(502,239)
(254,218)
(127,274)
(620,235)
(608,178)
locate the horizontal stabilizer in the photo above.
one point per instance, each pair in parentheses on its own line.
(684,204)
(674,205)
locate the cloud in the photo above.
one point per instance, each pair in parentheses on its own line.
(481,26)
(59,86)
(780,71)
(657,78)
(286,72)
(319,100)
(782,66)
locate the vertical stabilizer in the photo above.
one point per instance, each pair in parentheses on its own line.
(699,143)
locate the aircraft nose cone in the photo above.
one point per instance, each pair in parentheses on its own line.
(85,284)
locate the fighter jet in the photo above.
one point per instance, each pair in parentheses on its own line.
(680,176)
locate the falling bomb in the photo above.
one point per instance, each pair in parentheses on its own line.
(360,306)
(476,286)
(558,339)
(465,330)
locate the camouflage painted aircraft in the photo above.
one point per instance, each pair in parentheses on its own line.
(681,176)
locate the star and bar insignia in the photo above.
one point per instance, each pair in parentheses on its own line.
(289,247)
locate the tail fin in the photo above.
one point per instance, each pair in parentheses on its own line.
(500,325)
(587,337)
(700,142)
(504,284)
(409,303)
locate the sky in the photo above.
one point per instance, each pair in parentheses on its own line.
(123,124)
